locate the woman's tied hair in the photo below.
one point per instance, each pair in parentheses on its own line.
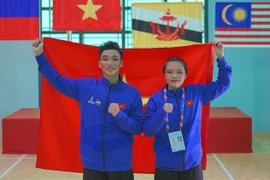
(175,59)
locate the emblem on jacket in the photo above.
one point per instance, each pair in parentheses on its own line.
(189,103)
(92,101)
(122,106)
(98,102)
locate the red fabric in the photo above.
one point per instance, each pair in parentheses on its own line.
(68,16)
(60,118)
(238,140)
(19,28)
(20,131)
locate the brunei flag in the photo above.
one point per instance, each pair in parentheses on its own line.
(166,24)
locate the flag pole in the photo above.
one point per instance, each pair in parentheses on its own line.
(69,35)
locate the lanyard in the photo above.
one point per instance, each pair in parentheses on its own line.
(166,118)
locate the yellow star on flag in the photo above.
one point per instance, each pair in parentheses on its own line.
(89,10)
(144,99)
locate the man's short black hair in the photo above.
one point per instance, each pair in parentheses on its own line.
(110,45)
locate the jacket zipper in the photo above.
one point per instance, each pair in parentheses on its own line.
(104,127)
(179,114)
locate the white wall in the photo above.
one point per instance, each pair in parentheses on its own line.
(18,77)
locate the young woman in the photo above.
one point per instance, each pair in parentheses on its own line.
(173,116)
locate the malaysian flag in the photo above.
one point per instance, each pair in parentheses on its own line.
(243,24)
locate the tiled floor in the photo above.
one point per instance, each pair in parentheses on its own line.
(251,166)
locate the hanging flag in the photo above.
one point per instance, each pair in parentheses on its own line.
(60,115)
(243,24)
(166,24)
(19,19)
(92,15)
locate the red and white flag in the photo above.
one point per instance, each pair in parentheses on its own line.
(243,24)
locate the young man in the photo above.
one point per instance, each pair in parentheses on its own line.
(106,137)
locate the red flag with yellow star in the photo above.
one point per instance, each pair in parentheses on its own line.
(58,147)
(93,15)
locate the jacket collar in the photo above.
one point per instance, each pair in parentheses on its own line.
(106,83)
(171,93)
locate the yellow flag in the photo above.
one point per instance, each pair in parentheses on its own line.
(166,24)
